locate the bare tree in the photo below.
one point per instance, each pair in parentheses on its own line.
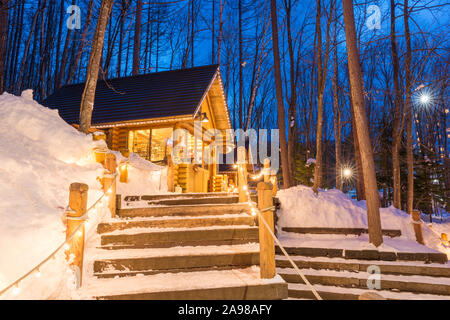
(409,150)
(137,38)
(321,79)
(396,130)
(368,165)
(3,40)
(279,92)
(87,99)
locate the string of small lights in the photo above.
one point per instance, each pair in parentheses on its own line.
(101,202)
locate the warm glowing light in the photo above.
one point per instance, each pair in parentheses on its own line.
(347,173)
(79,233)
(245,188)
(16,290)
(66,246)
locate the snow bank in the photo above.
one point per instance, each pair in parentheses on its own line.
(144,177)
(301,207)
(40,156)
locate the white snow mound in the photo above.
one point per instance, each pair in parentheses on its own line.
(40,156)
(301,207)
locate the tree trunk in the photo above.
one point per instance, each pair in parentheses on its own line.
(219,42)
(293,99)
(370,181)
(137,38)
(87,99)
(3,41)
(241,68)
(279,92)
(337,118)
(396,130)
(321,79)
(360,191)
(409,148)
(74,65)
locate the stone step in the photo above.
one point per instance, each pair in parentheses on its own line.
(175,196)
(166,239)
(343,231)
(176,263)
(305,293)
(194,201)
(400,268)
(270,291)
(302,291)
(189,210)
(428,257)
(235,284)
(179,222)
(414,284)
(169,196)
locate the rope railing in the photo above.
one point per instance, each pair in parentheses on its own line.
(258,212)
(64,245)
(313,290)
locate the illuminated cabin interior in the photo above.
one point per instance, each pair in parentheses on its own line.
(140,113)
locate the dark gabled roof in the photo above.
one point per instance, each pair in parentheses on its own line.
(154,95)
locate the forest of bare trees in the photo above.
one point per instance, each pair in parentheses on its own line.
(285,64)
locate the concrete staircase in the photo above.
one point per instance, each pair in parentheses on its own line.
(188,246)
(340,274)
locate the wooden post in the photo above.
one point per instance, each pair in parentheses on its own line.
(242,184)
(241,175)
(78,193)
(274,184)
(444,239)
(266,241)
(267,172)
(123,170)
(100,154)
(170,174)
(109,181)
(98,135)
(417,222)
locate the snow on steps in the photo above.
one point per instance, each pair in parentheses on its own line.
(236,284)
(180,252)
(302,291)
(408,283)
(184,210)
(200,260)
(177,222)
(352,265)
(162,238)
(344,231)
(337,266)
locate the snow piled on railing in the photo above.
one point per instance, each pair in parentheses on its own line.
(40,156)
(144,177)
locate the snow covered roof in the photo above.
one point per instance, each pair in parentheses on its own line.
(154,95)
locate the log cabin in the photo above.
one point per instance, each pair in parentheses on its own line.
(139,114)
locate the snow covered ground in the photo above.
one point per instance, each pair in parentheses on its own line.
(41,155)
(300,207)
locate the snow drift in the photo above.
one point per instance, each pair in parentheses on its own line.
(40,156)
(300,207)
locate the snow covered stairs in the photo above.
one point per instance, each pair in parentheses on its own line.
(181,247)
(342,274)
